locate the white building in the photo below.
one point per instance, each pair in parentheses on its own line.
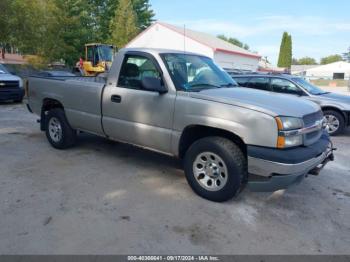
(337,70)
(301,69)
(166,36)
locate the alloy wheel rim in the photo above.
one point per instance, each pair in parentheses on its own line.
(332,123)
(210,171)
(55,129)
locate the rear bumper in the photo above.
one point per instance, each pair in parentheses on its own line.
(276,169)
(11,94)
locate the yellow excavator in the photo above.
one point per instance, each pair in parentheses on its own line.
(98,59)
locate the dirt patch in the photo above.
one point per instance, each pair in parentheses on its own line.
(197,234)
(338,191)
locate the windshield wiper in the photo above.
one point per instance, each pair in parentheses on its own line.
(321,93)
(229,85)
(203,87)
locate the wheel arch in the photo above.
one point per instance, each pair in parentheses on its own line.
(194,132)
(333,108)
(48,104)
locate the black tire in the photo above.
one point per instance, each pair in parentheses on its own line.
(18,100)
(68,135)
(339,117)
(234,160)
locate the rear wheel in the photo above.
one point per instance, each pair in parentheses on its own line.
(58,131)
(215,168)
(334,122)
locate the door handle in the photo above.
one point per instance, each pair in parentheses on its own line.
(116,99)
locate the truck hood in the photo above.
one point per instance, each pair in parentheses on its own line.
(8,77)
(267,102)
(344,100)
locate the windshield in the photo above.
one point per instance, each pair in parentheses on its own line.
(309,87)
(105,53)
(195,73)
(3,70)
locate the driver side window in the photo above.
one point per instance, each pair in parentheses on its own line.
(134,70)
(284,86)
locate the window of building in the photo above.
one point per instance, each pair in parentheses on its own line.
(338,76)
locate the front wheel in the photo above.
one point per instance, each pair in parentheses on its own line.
(215,168)
(334,122)
(58,131)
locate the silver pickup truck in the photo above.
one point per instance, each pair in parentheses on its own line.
(184,105)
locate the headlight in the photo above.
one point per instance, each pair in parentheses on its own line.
(20,81)
(289,124)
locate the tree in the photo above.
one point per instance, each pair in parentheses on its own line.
(282,54)
(144,13)
(5,24)
(234,41)
(289,48)
(346,55)
(71,29)
(107,8)
(59,29)
(331,59)
(304,61)
(285,55)
(123,26)
(295,61)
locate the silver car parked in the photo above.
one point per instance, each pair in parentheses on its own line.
(335,107)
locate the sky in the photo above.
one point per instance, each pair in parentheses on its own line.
(318,28)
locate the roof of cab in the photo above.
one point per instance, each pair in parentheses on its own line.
(264,75)
(159,51)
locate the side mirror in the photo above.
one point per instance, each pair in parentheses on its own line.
(153,84)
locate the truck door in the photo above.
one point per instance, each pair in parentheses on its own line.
(133,114)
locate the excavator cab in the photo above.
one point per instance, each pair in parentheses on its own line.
(98,59)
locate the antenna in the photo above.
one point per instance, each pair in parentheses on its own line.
(184,38)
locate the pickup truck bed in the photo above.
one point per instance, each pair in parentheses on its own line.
(83,106)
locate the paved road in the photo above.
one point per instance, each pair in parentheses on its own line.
(106,198)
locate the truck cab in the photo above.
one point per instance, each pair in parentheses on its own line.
(184,105)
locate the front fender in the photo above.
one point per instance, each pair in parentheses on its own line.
(253,127)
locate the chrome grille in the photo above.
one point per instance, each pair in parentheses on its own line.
(310,120)
(9,84)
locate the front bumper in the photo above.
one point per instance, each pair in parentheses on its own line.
(11,94)
(347,114)
(278,169)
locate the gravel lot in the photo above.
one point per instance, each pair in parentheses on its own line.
(103,197)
